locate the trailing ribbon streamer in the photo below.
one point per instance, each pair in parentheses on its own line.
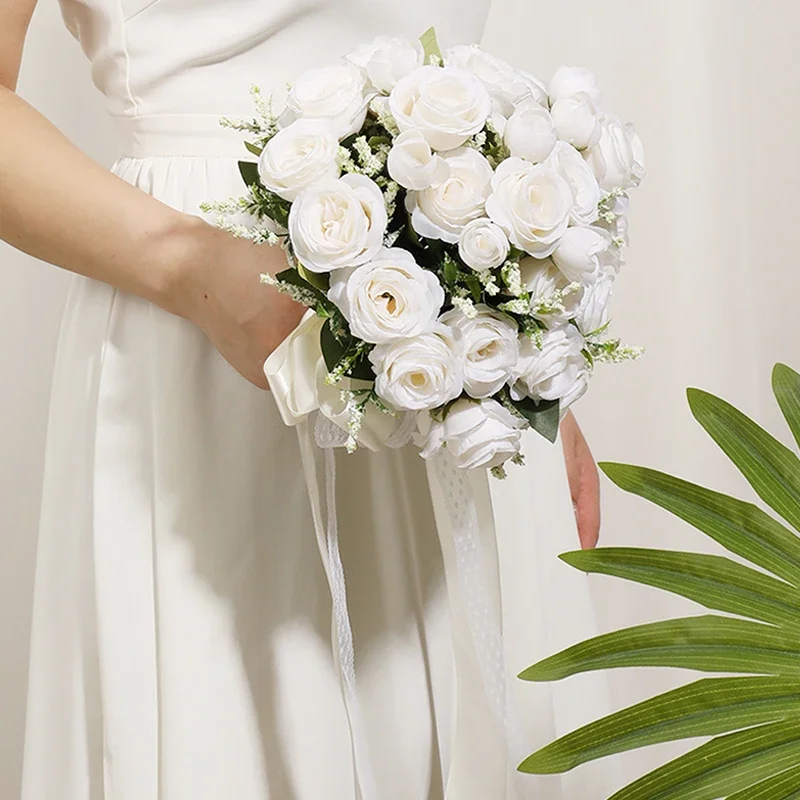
(484,729)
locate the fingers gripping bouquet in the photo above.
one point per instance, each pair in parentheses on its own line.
(455,228)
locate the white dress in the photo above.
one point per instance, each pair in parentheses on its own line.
(182,640)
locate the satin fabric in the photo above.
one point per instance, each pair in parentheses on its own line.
(182,639)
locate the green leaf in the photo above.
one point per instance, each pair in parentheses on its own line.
(723,765)
(333,350)
(449,271)
(740,527)
(784,786)
(474,285)
(713,581)
(786,386)
(544,417)
(706,707)
(430,44)
(704,643)
(362,370)
(254,148)
(771,468)
(318,280)
(249,172)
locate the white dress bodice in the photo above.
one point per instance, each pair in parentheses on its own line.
(202,56)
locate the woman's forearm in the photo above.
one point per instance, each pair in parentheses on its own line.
(60,206)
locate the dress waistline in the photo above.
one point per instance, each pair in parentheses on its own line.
(187,135)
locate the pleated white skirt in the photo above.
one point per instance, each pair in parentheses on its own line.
(182,625)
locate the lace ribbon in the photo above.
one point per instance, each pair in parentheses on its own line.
(482,614)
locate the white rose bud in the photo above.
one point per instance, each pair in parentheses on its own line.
(414,165)
(336,94)
(483,245)
(443,211)
(386,60)
(477,435)
(298,157)
(618,157)
(447,105)
(388,298)
(542,279)
(338,223)
(506,86)
(579,251)
(593,312)
(420,373)
(569,81)
(529,132)
(490,343)
(557,371)
(537,89)
(531,204)
(586,194)
(576,121)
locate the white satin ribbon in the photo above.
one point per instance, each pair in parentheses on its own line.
(484,731)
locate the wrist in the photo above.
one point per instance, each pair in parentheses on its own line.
(181,254)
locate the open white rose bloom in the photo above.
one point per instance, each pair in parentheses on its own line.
(456,227)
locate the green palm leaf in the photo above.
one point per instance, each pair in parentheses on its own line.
(784,786)
(726,764)
(786,386)
(704,708)
(740,527)
(771,468)
(712,581)
(706,643)
(755,719)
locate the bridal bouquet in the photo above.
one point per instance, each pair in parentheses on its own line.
(455,228)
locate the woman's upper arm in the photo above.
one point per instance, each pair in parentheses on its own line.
(15,16)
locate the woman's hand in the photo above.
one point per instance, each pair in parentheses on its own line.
(584,481)
(220,292)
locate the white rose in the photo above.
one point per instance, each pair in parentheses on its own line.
(490,344)
(531,204)
(529,132)
(569,81)
(414,165)
(537,89)
(421,373)
(593,312)
(338,223)
(483,245)
(298,157)
(542,278)
(386,60)
(476,434)
(506,86)
(575,120)
(618,158)
(390,297)
(336,94)
(447,105)
(442,212)
(557,371)
(586,194)
(579,252)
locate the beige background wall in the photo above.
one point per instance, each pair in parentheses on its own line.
(712,86)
